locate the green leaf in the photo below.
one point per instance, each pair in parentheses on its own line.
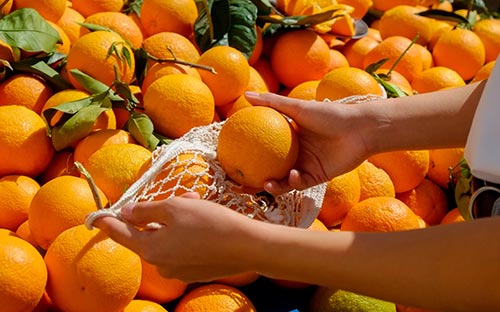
(141,128)
(445,16)
(92,85)
(392,90)
(372,68)
(264,7)
(78,126)
(41,68)
(26,29)
(227,22)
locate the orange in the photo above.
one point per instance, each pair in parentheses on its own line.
(337,59)
(427,200)
(89,54)
(384,5)
(25,147)
(225,111)
(7,53)
(452,216)
(406,168)
(65,44)
(238,280)
(256,82)
(342,26)
(25,89)
(457,45)
(258,48)
(374,33)
(381,214)
(156,288)
(138,305)
(106,120)
(263,66)
(342,193)
(95,140)
(177,115)
(441,161)
(298,56)
(170,45)
(488,31)
(346,81)
(89,7)
(119,22)
(305,90)
(438,27)
(356,49)
(437,78)
(158,70)
(51,10)
(88,271)
(257,144)
(24,232)
(16,193)
(114,167)
(186,172)
(61,203)
(427,60)
(374,181)
(396,79)
(70,23)
(215,297)
(231,69)
(392,47)
(62,164)
(484,72)
(173,15)
(402,20)
(361,7)
(23,274)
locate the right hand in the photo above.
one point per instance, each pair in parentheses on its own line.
(330,141)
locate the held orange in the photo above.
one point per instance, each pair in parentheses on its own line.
(346,81)
(257,144)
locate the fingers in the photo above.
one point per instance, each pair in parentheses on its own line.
(288,106)
(122,233)
(294,181)
(142,213)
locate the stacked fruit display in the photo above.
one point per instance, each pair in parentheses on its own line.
(89,89)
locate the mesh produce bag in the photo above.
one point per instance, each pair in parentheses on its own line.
(170,169)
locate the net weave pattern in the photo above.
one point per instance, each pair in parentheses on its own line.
(163,178)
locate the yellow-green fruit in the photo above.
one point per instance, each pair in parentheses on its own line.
(334,300)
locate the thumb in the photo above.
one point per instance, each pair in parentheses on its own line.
(288,106)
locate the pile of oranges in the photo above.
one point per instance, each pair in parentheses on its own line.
(51,262)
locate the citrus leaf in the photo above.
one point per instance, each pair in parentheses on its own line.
(26,29)
(94,27)
(227,22)
(41,68)
(372,68)
(76,127)
(141,128)
(445,16)
(93,85)
(264,7)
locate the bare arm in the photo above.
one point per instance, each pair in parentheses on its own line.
(335,138)
(449,267)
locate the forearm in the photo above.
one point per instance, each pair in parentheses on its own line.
(425,121)
(446,268)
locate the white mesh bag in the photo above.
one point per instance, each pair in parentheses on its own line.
(162,180)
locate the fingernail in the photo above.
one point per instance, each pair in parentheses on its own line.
(126,211)
(251,94)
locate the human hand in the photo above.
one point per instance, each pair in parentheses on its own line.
(330,140)
(198,240)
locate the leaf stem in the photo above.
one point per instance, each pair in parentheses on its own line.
(91,182)
(402,54)
(174,59)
